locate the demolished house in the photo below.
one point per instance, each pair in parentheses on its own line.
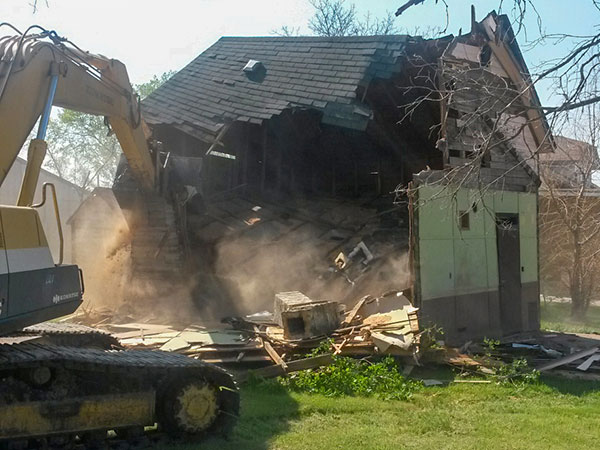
(344,166)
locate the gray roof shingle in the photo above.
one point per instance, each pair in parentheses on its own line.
(321,73)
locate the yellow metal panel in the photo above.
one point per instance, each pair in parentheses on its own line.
(35,158)
(22,228)
(75,415)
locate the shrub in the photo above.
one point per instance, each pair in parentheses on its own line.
(518,373)
(347,376)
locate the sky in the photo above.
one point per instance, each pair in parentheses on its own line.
(155,36)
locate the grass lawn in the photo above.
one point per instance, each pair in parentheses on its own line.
(556,316)
(553,414)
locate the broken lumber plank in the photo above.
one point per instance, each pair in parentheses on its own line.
(354,311)
(175,344)
(584,366)
(235,359)
(274,355)
(227,349)
(338,348)
(294,366)
(568,359)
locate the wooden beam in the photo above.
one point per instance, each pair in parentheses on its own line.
(568,359)
(273,354)
(217,140)
(354,311)
(293,366)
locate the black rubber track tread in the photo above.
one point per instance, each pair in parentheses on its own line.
(72,334)
(145,363)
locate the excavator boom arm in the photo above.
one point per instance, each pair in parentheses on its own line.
(88,83)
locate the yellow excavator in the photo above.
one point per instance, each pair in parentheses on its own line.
(56,392)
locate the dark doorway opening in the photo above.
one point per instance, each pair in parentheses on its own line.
(509,272)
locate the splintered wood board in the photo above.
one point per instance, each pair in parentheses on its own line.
(175,344)
(568,359)
(156,328)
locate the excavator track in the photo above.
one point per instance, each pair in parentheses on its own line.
(70,335)
(68,397)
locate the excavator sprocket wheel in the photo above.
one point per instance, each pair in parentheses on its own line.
(191,407)
(196,407)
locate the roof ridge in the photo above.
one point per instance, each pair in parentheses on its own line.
(380,37)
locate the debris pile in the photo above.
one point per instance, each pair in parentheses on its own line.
(375,325)
(563,354)
(386,325)
(211,345)
(280,342)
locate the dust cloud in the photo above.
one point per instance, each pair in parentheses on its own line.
(229,275)
(102,243)
(253,270)
(102,249)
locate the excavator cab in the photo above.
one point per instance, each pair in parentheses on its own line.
(32,288)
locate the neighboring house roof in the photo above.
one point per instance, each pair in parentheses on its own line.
(321,73)
(23,162)
(98,194)
(571,151)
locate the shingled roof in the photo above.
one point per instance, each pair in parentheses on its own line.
(322,73)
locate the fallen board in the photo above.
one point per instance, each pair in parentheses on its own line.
(568,359)
(294,366)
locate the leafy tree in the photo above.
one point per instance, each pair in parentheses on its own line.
(147,88)
(81,150)
(80,147)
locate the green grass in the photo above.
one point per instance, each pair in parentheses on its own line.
(556,316)
(552,414)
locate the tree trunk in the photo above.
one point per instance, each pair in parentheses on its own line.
(578,291)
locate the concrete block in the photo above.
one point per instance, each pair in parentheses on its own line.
(300,317)
(316,319)
(287,300)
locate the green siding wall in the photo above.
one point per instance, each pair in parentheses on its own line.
(452,261)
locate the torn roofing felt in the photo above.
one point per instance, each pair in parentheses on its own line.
(321,73)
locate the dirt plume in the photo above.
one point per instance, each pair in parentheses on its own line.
(102,247)
(252,270)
